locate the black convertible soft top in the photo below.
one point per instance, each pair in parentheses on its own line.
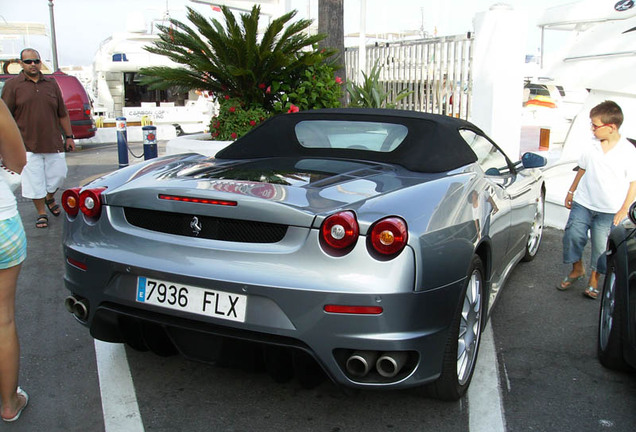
(433,143)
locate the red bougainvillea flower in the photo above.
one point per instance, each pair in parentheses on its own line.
(232,109)
(252,123)
(227,97)
(293,109)
(233,135)
(338,80)
(262,86)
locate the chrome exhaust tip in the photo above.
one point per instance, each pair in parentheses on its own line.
(80,310)
(391,363)
(69,302)
(360,362)
(78,307)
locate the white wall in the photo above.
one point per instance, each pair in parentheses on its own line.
(498,60)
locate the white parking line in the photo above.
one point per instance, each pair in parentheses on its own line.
(485,411)
(119,401)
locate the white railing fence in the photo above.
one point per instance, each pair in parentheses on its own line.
(437,71)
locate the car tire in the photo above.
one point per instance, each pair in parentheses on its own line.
(460,354)
(536,230)
(610,326)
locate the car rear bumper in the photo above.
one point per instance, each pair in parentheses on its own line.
(412,324)
(83,128)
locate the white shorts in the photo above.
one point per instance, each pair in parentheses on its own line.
(44,173)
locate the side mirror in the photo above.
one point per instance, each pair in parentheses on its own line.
(533,160)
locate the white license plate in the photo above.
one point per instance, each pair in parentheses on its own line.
(187,298)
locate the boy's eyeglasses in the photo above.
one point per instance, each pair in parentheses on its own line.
(29,61)
(595,127)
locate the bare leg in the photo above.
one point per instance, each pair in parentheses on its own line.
(594,277)
(39,205)
(9,344)
(577,269)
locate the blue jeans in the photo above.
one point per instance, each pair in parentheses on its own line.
(580,221)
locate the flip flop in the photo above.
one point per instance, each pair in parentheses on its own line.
(54,209)
(568,281)
(42,221)
(26,402)
(591,292)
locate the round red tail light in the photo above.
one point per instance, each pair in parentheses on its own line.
(70,201)
(389,236)
(90,202)
(340,230)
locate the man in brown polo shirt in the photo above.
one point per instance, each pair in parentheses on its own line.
(36,103)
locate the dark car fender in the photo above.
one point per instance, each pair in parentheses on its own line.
(621,246)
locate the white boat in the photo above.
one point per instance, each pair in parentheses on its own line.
(14,36)
(600,58)
(118,92)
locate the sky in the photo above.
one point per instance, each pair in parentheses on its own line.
(82,24)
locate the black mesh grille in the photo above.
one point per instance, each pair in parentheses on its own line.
(207,227)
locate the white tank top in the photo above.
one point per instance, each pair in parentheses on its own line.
(8,203)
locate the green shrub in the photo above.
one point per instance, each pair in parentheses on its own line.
(317,87)
(235,119)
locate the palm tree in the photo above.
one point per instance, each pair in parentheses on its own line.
(232,60)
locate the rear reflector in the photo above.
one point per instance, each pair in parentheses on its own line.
(76,263)
(197,200)
(355,310)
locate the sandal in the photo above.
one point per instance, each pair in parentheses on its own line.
(42,221)
(25,396)
(568,281)
(53,207)
(591,292)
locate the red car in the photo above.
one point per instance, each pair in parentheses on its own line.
(77,103)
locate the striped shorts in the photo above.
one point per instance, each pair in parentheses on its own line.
(13,242)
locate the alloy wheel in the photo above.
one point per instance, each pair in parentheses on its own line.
(608,304)
(469,328)
(536,231)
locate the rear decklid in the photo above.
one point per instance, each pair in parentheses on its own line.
(289,191)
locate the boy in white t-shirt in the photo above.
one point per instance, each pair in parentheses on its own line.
(600,195)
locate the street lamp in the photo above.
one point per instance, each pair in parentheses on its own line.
(53,40)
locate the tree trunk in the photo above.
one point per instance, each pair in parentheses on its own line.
(331,23)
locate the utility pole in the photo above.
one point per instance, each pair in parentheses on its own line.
(331,23)
(53,39)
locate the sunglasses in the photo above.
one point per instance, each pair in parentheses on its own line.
(595,127)
(30,61)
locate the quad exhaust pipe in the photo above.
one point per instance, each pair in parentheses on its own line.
(78,307)
(387,364)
